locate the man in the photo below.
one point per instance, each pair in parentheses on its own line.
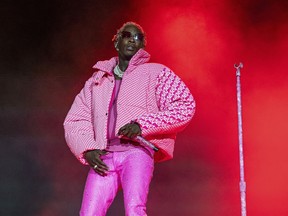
(126,98)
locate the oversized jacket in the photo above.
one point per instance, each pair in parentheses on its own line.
(150,94)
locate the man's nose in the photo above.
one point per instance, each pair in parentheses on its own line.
(131,38)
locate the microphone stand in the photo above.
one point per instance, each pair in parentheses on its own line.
(241,155)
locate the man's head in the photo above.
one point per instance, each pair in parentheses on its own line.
(129,39)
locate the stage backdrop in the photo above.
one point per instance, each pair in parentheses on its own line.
(47,49)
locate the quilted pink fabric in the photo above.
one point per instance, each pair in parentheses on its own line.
(150,94)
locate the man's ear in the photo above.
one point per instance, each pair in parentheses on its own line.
(116,45)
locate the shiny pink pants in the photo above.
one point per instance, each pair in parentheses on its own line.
(130,170)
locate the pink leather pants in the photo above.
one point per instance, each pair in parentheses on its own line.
(132,170)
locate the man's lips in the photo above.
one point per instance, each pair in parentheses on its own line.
(130,48)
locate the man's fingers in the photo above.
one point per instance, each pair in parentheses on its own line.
(103,152)
(100,171)
(100,168)
(122,129)
(101,164)
(129,131)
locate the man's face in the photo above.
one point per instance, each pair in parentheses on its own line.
(130,41)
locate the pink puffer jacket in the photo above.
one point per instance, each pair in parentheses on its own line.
(150,94)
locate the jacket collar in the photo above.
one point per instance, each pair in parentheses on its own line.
(107,66)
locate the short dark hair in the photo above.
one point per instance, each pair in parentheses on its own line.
(130,23)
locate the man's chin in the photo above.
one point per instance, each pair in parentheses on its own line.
(129,56)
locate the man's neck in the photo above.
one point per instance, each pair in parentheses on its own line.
(123,64)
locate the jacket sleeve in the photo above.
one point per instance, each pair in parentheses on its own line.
(176,106)
(78,127)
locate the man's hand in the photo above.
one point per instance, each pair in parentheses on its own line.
(130,130)
(94,160)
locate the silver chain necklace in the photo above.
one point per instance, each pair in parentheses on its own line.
(118,71)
